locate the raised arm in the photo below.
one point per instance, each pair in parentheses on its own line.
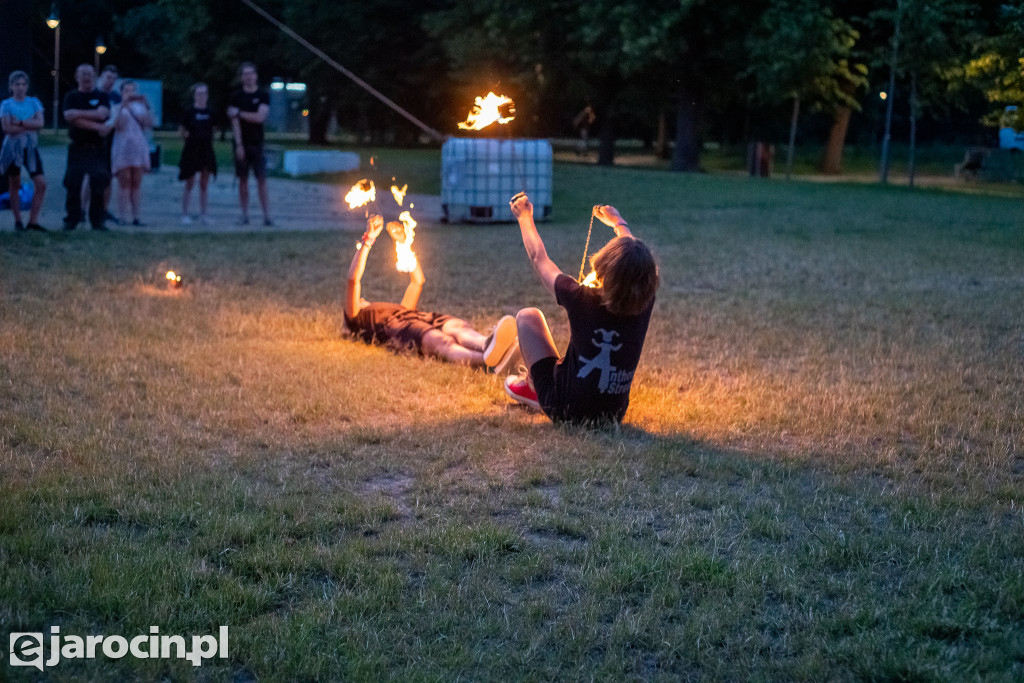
(353,298)
(610,216)
(547,271)
(411,299)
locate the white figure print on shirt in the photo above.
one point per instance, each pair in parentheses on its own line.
(603,360)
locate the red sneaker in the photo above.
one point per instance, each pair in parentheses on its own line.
(519,389)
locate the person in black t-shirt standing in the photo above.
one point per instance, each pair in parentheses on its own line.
(248,109)
(405,328)
(86,111)
(608,323)
(197,156)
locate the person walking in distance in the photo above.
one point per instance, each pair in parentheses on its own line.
(86,110)
(247,110)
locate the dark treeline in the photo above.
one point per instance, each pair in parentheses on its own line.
(673,73)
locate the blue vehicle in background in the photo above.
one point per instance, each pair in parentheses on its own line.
(1009,136)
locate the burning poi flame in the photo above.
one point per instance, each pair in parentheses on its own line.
(487,110)
(173,279)
(590,280)
(406,260)
(361,194)
(399,194)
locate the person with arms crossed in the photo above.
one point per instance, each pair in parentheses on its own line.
(86,110)
(247,110)
(21,117)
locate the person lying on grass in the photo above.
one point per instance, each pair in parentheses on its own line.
(607,325)
(403,327)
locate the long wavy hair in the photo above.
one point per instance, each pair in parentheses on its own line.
(628,275)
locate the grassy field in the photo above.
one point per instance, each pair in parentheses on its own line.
(820,476)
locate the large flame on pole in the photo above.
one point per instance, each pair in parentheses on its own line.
(487,110)
(361,194)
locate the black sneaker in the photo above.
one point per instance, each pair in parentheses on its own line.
(137,223)
(68,225)
(36,227)
(19,226)
(267,223)
(101,228)
(110,217)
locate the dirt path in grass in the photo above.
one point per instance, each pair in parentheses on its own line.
(294,204)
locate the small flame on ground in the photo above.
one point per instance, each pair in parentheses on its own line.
(590,280)
(399,194)
(361,194)
(487,110)
(173,279)
(403,247)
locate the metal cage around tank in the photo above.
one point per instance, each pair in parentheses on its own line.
(480,175)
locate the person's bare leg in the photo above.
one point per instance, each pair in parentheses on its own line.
(243,197)
(37,199)
(535,340)
(186,196)
(124,184)
(136,197)
(464,334)
(438,344)
(13,185)
(86,195)
(204,181)
(261,190)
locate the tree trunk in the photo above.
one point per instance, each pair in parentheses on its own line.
(911,162)
(661,144)
(792,135)
(832,159)
(891,95)
(686,155)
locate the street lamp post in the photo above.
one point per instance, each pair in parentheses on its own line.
(53,21)
(100,49)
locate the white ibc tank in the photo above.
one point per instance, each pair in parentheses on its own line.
(479,177)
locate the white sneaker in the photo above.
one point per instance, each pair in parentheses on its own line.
(186,220)
(503,340)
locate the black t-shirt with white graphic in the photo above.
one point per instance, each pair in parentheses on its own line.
(594,376)
(76,99)
(252,133)
(199,124)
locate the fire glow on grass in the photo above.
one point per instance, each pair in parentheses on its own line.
(487,110)
(361,194)
(406,262)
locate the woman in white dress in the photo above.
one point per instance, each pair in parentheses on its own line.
(129,156)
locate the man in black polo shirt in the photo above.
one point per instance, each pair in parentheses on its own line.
(248,109)
(86,110)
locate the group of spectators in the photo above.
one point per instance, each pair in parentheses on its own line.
(109,133)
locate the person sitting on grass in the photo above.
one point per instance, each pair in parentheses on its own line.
(403,327)
(590,383)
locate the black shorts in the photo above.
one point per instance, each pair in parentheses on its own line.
(196,157)
(14,170)
(559,408)
(406,330)
(255,159)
